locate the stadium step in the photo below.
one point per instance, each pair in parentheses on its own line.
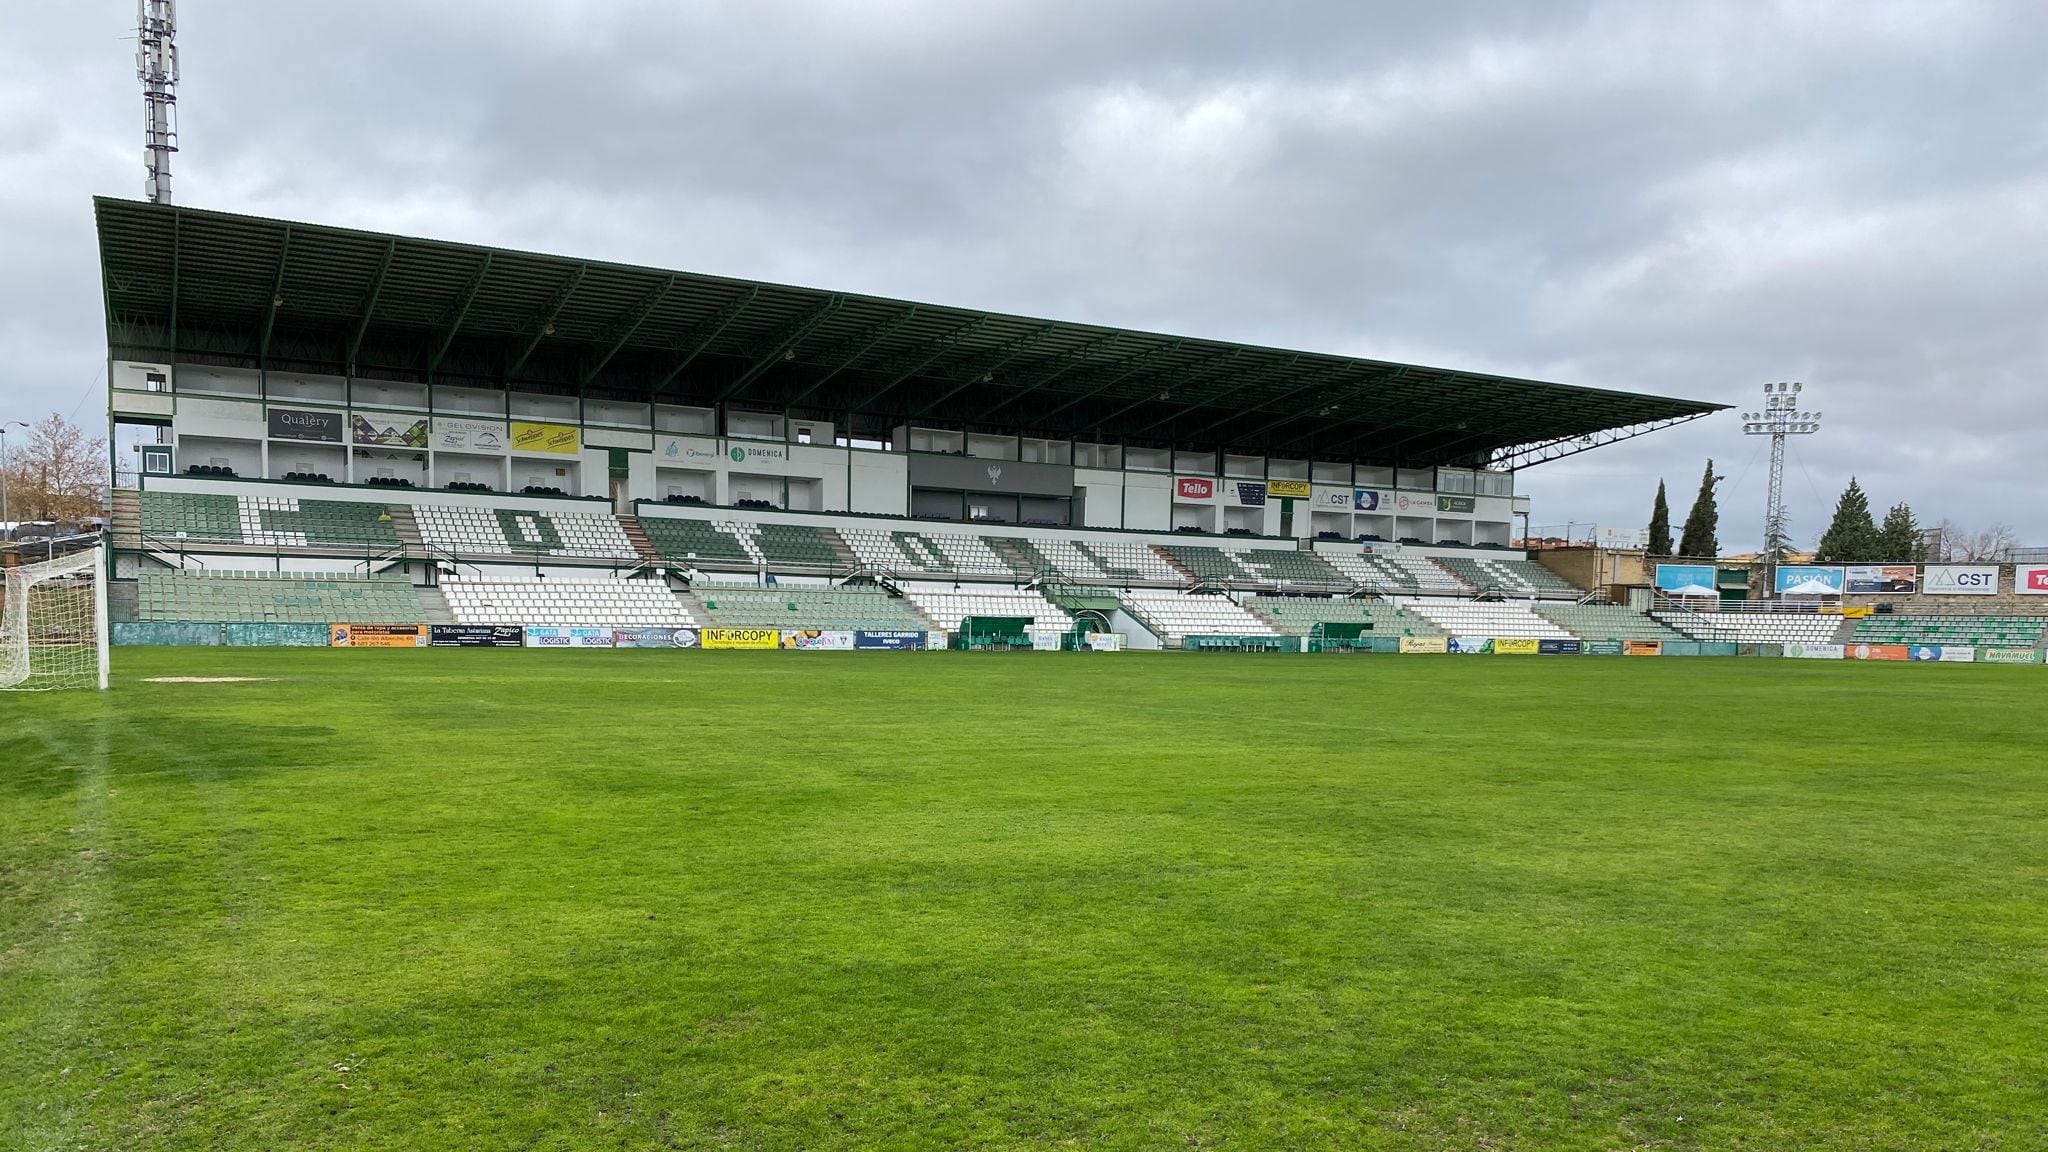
(637,536)
(1187,574)
(405,526)
(125,525)
(1014,556)
(435,604)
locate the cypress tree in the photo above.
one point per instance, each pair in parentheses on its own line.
(1898,539)
(1660,524)
(1852,538)
(1703,521)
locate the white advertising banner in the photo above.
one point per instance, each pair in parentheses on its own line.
(1960,580)
(687,452)
(1816,651)
(1331,499)
(457,434)
(2030,579)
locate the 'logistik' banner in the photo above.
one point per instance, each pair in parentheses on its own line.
(476,636)
(574,637)
(892,641)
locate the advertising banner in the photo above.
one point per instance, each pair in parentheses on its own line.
(1292,489)
(1960,580)
(1559,647)
(727,638)
(1367,500)
(1193,488)
(459,434)
(2030,579)
(1642,647)
(1471,645)
(2009,655)
(1603,647)
(654,637)
(1797,651)
(694,451)
(475,636)
(1686,580)
(1424,645)
(1871,579)
(1809,580)
(888,641)
(1045,641)
(1337,499)
(1105,642)
(1516,646)
(568,637)
(300,424)
(1945,653)
(377,635)
(1251,494)
(390,431)
(1878,652)
(813,640)
(547,439)
(1455,504)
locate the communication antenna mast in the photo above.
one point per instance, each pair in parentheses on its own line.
(156,65)
(1780,418)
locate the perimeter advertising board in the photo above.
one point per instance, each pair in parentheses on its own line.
(888,641)
(1642,647)
(1809,580)
(815,640)
(1559,647)
(1516,646)
(2009,655)
(738,638)
(1471,645)
(654,637)
(1424,645)
(1603,647)
(475,636)
(1873,579)
(1960,580)
(1799,651)
(1878,652)
(1945,653)
(377,635)
(568,637)
(1686,580)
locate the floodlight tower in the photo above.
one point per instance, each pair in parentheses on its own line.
(156,65)
(1781,417)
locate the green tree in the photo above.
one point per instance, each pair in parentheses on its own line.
(1660,524)
(1898,538)
(1703,521)
(1852,537)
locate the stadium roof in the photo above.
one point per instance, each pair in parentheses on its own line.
(218,288)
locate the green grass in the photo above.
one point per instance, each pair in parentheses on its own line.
(475,899)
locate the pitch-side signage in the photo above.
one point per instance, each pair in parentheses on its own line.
(1960,580)
(1193,488)
(2030,579)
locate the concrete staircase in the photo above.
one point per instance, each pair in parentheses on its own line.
(1006,547)
(435,606)
(637,535)
(405,526)
(124,526)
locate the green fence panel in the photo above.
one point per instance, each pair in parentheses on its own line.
(1720,648)
(255,635)
(164,633)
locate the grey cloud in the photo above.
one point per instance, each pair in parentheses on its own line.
(1681,197)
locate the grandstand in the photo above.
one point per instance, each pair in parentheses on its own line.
(573,442)
(1486,618)
(1973,631)
(1755,627)
(276,597)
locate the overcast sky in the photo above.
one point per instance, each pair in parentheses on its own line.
(1683,198)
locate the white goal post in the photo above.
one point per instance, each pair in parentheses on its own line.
(53,623)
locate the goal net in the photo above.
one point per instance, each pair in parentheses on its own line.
(53,624)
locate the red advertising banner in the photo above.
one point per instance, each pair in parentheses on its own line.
(1190,488)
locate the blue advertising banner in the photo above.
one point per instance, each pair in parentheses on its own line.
(570,637)
(1252,495)
(1686,579)
(1559,647)
(1810,580)
(897,641)
(1472,645)
(1365,500)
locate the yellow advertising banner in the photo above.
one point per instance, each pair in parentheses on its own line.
(1516,646)
(377,635)
(739,638)
(552,439)
(1290,488)
(1424,645)
(1856,613)
(1642,648)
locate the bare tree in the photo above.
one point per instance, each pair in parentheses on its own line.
(1990,545)
(59,474)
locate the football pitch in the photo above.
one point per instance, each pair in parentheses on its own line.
(642,899)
